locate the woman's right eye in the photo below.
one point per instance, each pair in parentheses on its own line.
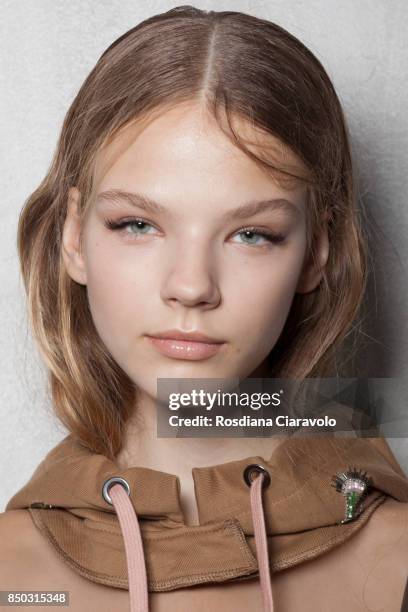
(139,224)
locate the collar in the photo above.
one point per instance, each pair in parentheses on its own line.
(303,512)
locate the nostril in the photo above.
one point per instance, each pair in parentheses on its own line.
(109,483)
(253,469)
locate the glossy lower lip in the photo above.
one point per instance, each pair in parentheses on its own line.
(185,349)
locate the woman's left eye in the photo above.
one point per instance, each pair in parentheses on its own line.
(248,233)
(251,232)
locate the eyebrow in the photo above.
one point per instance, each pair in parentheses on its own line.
(241,212)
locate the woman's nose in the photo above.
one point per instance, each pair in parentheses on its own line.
(190,277)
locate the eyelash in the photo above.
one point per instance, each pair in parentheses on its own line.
(269,236)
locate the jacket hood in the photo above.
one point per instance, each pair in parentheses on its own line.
(302,510)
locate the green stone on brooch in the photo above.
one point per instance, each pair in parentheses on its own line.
(354,485)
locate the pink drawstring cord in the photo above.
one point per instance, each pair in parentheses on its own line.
(134,549)
(261,542)
(132,537)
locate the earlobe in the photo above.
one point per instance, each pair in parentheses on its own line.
(313,269)
(71,247)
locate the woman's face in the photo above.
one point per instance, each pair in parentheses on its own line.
(189,265)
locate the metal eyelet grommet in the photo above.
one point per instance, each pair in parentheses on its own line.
(255,467)
(109,483)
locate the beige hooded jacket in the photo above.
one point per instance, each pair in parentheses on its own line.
(303,511)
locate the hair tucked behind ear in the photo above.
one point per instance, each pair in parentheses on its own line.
(235,65)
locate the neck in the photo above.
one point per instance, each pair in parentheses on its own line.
(178,456)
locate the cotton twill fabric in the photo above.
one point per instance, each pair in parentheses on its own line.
(303,511)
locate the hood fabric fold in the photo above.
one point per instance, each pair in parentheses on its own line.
(139,540)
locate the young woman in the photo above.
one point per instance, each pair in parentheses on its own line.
(199,221)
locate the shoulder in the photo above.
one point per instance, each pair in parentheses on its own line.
(383,552)
(368,571)
(26,557)
(16,530)
(381,545)
(25,553)
(384,539)
(377,555)
(389,524)
(21,548)
(387,536)
(28,562)
(14,519)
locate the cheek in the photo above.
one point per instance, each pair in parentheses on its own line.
(264,294)
(117,286)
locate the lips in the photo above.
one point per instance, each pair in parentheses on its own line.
(193,336)
(191,346)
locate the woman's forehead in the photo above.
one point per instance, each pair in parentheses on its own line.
(188,135)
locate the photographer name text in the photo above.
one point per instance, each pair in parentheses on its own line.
(249,421)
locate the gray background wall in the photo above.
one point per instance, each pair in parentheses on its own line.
(47,49)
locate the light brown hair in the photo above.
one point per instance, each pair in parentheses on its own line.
(236,65)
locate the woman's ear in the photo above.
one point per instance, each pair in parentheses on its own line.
(71,245)
(312,271)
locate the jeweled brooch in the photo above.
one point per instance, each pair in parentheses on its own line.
(354,485)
